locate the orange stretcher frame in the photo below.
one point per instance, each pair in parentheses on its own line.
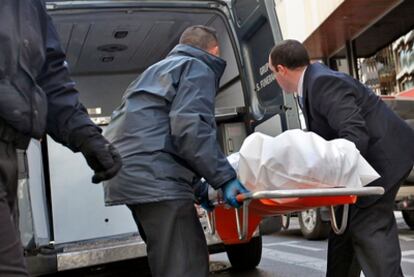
(235,226)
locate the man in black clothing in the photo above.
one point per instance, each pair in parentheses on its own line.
(37,96)
(337,106)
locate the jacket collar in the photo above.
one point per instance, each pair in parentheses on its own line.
(215,63)
(306,78)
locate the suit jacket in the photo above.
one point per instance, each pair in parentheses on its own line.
(338,106)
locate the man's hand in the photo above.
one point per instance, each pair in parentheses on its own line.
(207,205)
(102,157)
(202,190)
(230,190)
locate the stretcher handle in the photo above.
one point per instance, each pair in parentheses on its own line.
(211,222)
(242,231)
(293,193)
(334,225)
(285,221)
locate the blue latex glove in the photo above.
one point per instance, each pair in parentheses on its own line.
(230,190)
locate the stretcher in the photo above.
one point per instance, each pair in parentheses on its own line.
(235,226)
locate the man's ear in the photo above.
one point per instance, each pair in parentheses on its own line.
(215,51)
(281,69)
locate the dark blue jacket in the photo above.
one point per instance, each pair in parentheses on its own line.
(165,130)
(36,92)
(338,106)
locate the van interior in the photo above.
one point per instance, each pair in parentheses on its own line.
(107,49)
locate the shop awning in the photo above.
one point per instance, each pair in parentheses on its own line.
(373,24)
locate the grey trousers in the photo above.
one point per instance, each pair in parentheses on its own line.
(176,244)
(12,263)
(370,242)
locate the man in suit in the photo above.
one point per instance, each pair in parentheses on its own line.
(335,105)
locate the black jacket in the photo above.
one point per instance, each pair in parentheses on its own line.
(165,130)
(338,106)
(36,92)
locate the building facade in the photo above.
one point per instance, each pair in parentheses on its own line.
(369,39)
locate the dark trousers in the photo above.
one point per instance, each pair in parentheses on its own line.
(370,242)
(12,263)
(176,244)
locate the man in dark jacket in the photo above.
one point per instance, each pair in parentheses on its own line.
(337,106)
(37,95)
(166,133)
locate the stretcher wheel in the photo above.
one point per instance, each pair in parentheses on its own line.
(245,255)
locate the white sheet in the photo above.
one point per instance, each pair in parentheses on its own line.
(298,159)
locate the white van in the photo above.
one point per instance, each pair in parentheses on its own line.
(64,222)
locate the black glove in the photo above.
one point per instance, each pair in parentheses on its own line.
(102,157)
(201,190)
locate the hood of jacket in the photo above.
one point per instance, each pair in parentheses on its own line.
(216,64)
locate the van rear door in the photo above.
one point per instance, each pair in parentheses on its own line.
(257,30)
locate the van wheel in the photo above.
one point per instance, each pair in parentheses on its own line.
(409,218)
(312,226)
(245,255)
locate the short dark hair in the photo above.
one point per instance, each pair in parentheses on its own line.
(289,53)
(199,36)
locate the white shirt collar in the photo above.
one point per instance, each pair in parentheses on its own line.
(300,83)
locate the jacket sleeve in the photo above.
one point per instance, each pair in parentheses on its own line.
(65,112)
(193,127)
(336,101)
